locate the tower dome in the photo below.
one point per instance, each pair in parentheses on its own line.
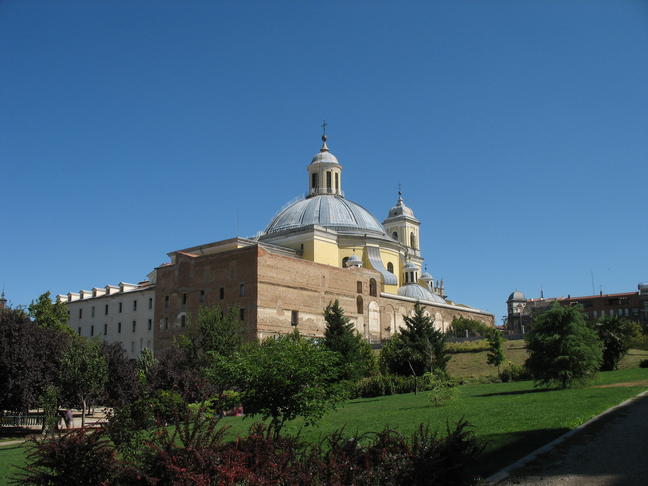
(517,296)
(400,209)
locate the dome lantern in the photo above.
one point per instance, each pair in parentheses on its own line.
(325,173)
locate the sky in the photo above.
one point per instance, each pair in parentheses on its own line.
(518,131)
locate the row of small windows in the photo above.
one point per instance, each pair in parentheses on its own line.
(120,308)
(119,328)
(619,312)
(221,295)
(315,181)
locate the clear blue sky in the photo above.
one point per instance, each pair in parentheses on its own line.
(518,130)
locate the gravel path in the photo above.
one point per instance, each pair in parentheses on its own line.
(611,451)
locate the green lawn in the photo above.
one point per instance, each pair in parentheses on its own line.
(513,418)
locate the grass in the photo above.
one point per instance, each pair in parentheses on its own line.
(474,365)
(514,419)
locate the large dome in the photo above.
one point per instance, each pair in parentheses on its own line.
(415,291)
(331,212)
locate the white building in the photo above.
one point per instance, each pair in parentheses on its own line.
(115,313)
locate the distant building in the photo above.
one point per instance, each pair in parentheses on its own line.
(115,313)
(631,305)
(3,301)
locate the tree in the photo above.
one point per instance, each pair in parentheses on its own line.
(563,347)
(340,337)
(615,333)
(84,373)
(418,348)
(122,384)
(460,325)
(287,377)
(496,355)
(29,360)
(50,315)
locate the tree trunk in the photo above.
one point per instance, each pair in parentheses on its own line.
(83,412)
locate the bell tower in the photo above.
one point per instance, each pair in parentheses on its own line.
(325,173)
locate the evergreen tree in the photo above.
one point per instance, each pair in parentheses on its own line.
(418,348)
(563,347)
(356,355)
(496,355)
(615,333)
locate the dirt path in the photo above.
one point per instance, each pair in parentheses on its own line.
(611,451)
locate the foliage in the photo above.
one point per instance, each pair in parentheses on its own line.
(415,349)
(287,377)
(49,403)
(385,385)
(122,385)
(442,393)
(340,337)
(496,356)
(643,363)
(460,325)
(563,348)
(514,373)
(29,360)
(146,361)
(84,373)
(50,315)
(74,458)
(615,333)
(174,371)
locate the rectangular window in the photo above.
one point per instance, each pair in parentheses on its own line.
(294,318)
(150,302)
(105,329)
(92,312)
(120,307)
(150,324)
(183,320)
(166,323)
(119,327)
(79,331)
(328,180)
(627,312)
(242,290)
(202,296)
(134,325)
(242,314)
(134,305)
(635,312)
(166,301)
(184,298)
(337,183)
(80,313)
(222,293)
(595,314)
(359,287)
(92,330)
(106,311)
(141,343)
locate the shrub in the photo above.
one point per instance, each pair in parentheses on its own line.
(79,457)
(515,373)
(442,393)
(468,347)
(643,363)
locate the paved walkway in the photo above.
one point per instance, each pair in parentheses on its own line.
(610,450)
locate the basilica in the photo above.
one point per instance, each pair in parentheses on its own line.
(318,249)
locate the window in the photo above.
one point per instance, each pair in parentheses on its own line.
(635,312)
(242,290)
(141,343)
(222,293)
(150,302)
(390,267)
(184,298)
(315,181)
(166,301)
(294,318)
(359,305)
(92,312)
(134,325)
(134,306)
(106,311)
(344,262)
(627,312)
(359,285)
(242,314)
(337,181)
(80,313)
(119,327)
(166,323)
(412,240)
(133,347)
(328,180)
(373,291)
(395,235)
(105,329)
(150,324)
(92,330)
(79,331)
(183,320)
(202,296)
(120,307)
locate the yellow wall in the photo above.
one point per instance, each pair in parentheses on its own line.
(325,252)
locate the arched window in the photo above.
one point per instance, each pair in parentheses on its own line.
(373,290)
(359,304)
(395,235)
(390,267)
(344,262)
(413,240)
(315,183)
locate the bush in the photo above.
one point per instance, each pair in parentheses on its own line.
(643,363)
(442,393)
(384,385)
(468,347)
(515,373)
(75,458)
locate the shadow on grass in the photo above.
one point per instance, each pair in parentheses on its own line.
(504,449)
(519,392)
